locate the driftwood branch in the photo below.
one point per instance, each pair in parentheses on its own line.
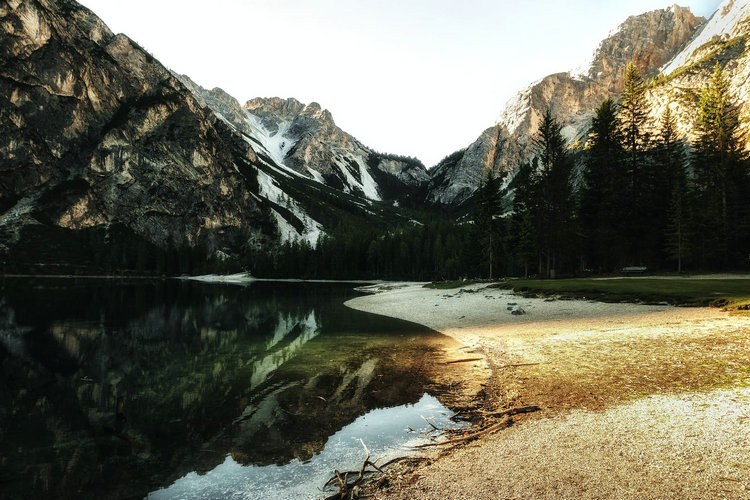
(430,423)
(517,364)
(349,483)
(492,428)
(496,427)
(462,360)
(513,411)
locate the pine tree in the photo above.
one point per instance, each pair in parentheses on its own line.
(554,212)
(633,113)
(720,174)
(487,225)
(523,232)
(673,200)
(603,196)
(632,116)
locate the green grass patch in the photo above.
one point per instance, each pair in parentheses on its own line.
(729,293)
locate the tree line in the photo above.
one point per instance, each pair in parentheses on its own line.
(630,197)
(640,198)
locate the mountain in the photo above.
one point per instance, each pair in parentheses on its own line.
(100,141)
(650,40)
(108,160)
(106,156)
(304,139)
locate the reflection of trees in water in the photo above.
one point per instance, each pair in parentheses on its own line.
(200,372)
(181,370)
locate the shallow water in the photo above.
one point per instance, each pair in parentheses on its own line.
(388,433)
(189,390)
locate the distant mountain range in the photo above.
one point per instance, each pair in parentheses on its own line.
(103,147)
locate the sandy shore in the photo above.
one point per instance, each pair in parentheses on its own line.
(638,401)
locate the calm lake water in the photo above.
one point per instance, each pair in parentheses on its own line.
(174,389)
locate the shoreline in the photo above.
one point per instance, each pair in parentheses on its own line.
(664,385)
(237,278)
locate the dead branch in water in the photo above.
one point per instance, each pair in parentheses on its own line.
(350,490)
(430,424)
(496,427)
(517,364)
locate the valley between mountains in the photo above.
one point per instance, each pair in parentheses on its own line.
(111,163)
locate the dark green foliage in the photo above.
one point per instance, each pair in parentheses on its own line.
(721,178)
(602,196)
(114,250)
(640,205)
(632,115)
(413,251)
(674,203)
(544,208)
(487,227)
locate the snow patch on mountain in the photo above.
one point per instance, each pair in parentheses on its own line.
(369,186)
(288,232)
(275,143)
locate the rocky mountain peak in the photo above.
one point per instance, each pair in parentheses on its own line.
(650,39)
(275,105)
(724,39)
(305,138)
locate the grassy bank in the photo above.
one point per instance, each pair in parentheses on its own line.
(729,293)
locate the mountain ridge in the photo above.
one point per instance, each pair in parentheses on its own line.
(109,157)
(650,40)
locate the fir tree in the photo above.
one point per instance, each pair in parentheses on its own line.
(603,196)
(720,173)
(673,201)
(487,212)
(554,206)
(633,113)
(632,116)
(523,239)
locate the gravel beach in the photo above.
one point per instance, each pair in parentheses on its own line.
(637,401)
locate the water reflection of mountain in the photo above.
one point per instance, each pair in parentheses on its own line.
(115,390)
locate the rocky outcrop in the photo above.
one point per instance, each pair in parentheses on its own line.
(96,133)
(651,40)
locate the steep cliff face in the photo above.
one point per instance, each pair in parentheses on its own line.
(651,40)
(97,134)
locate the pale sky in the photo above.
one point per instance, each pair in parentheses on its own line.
(413,77)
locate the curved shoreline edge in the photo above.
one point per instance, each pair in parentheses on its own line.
(639,400)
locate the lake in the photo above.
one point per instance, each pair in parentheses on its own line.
(179,389)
